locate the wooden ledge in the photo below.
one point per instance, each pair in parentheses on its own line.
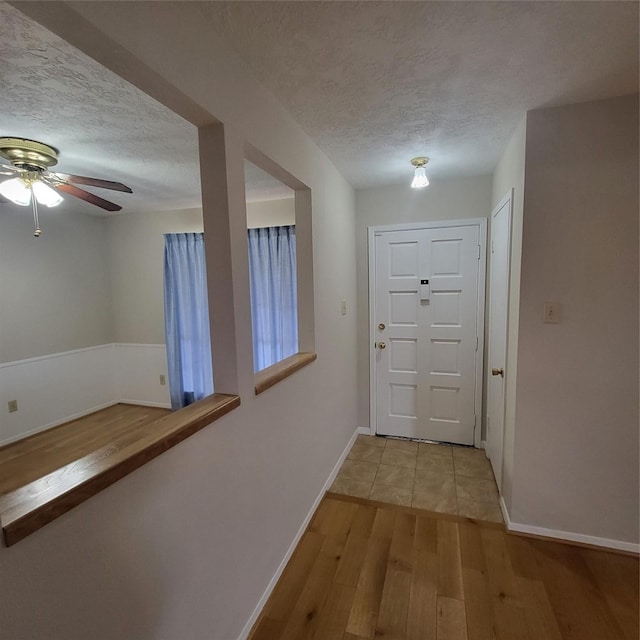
(29,508)
(281,370)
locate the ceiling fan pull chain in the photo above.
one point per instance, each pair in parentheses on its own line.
(38,232)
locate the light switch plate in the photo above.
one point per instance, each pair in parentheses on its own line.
(551,313)
(343,307)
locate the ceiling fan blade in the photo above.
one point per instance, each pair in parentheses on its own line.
(93,182)
(86,196)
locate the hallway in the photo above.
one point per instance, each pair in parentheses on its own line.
(441,478)
(370,570)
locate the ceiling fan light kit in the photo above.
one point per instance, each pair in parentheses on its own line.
(420,179)
(33,183)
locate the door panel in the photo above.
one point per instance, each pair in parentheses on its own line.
(425,357)
(397,345)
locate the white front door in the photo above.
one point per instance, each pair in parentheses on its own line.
(426,330)
(498,308)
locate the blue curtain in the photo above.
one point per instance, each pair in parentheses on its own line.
(186,316)
(274,300)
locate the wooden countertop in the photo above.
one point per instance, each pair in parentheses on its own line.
(37,503)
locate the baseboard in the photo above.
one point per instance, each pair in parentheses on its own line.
(81,414)
(505,513)
(244,634)
(483,444)
(56,423)
(363,431)
(567,536)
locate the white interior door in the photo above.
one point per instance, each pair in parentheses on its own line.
(498,316)
(425,325)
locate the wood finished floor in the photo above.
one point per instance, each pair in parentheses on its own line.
(367,570)
(26,460)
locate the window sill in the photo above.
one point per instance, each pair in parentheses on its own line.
(280,370)
(34,505)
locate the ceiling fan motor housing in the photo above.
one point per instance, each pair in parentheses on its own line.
(28,154)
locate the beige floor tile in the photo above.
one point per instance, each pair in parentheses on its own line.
(479,510)
(372,441)
(472,463)
(359,470)
(439,464)
(435,501)
(394,495)
(476,489)
(399,477)
(468,453)
(398,458)
(351,487)
(365,452)
(402,445)
(435,450)
(435,483)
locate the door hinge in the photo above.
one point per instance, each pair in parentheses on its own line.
(479,251)
(477,342)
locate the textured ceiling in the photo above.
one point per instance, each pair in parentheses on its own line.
(260,185)
(373,83)
(377,83)
(102,125)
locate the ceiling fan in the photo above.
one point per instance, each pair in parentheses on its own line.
(32,182)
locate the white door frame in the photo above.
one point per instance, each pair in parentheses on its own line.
(507,199)
(481,223)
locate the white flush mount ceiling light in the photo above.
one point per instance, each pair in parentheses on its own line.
(32,182)
(420,179)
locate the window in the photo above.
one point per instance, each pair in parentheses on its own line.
(278,209)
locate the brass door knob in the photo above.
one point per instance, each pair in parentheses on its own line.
(497,372)
(382,345)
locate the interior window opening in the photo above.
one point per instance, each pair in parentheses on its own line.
(271,231)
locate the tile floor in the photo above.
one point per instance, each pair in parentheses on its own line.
(443,478)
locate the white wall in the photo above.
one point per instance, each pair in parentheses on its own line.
(185,546)
(54,290)
(59,387)
(55,388)
(135,258)
(87,282)
(442,200)
(509,174)
(271,213)
(576,446)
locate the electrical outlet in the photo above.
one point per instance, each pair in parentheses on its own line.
(13,406)
(163,379)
